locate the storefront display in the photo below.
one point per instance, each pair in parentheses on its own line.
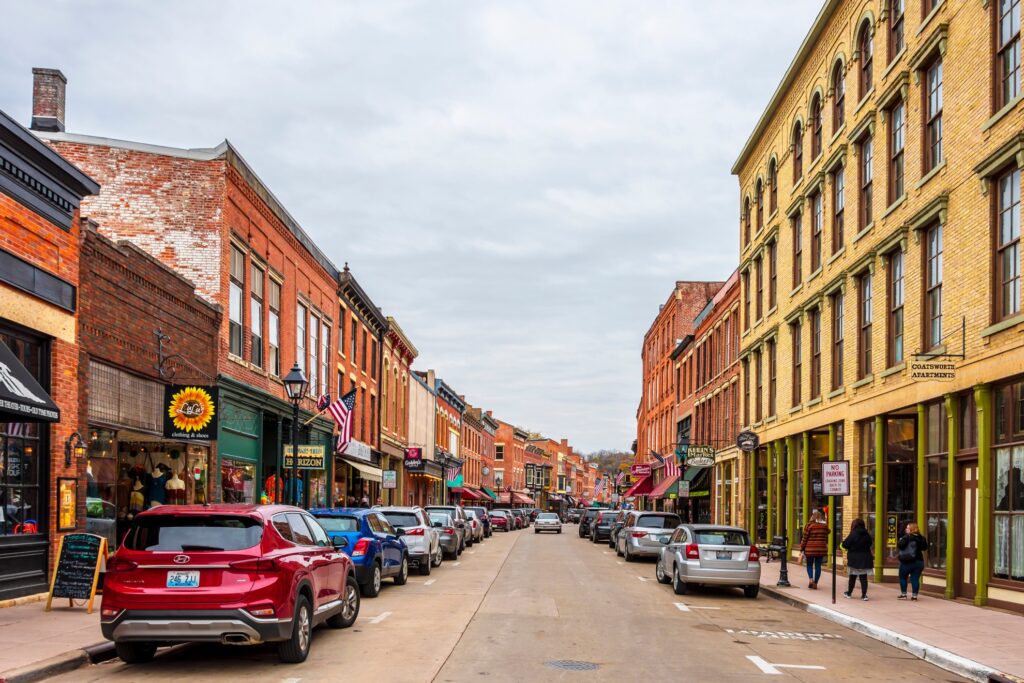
(237,481)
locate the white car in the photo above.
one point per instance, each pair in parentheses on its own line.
(547,521)
(421,538)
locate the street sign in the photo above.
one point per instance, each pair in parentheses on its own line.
(700,456)
(389,479)
(640,470)
(684,489)
(747,441)
(835,478)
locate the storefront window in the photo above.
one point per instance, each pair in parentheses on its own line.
(798,488)
(937,466)
(237,481)
(1008,555)
(968,422)
(762,494)
(868,488)
(900,474)
(20,446)
(101,485)
(727,501)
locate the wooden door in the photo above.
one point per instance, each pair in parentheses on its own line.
(967,529)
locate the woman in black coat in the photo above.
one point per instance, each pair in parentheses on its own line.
(859,560)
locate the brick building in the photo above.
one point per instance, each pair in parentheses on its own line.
(448,435)
(510,460)
(42,491)
(537,474)
(489,429)
(399,354)
(472,456)
(424,475)
(911,119)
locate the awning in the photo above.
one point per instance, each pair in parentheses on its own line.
(505,498)
(492,494)
(554,498)
(661,489)
(469,493)
(368,472)
(21,396)
(640,488)
(520,499)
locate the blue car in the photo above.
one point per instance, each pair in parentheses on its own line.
(376,548)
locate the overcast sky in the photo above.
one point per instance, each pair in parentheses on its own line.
(519,182)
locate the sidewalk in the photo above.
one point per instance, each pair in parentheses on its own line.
(35,644)
(975,642)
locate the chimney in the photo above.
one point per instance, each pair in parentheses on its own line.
(48,99)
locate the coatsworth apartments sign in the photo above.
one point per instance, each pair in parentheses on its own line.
(937,369)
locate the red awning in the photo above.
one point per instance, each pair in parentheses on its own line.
(473,494)
(660,490)
(504,498)
(520,499)
(641,488)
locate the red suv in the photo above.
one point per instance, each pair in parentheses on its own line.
(233,574)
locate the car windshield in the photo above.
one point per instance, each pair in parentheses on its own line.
(658,521)
(166,533)
(548,515)
(337,524)
(721,537)
(402,519)
(443,519)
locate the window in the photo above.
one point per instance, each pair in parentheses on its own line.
(794,330)
(798,250)
(1007,264)
(937,470)
(815,319)
(746,312)
(896,24)
(300,336)
(816,127)
(759,386)
(897,135)
(256,315)
(773,248)
(235,294)
(933,287)
(355,341)
(864,326)
(746,394)
(816,221)
(866,181)
(773,186)
(895,279)
(325,357)
(868,481)
(933,116)
(274,329)
(838,97)
(798,153)
(759,275)
(314,356)
(772,375)
(746,221)
(365,344)
(838,208)
(499,451)
(759,199)
(1008,496)
(867,58)
(1008,51)
(900,476)
(837,339)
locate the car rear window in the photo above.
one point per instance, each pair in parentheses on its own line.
(590,514)
(183,533)
(443,518)
(658,521)
(498,513)
(339,524)
(721,537)
(547,515)
(402,519)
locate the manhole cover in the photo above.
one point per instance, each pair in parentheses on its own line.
(572,665)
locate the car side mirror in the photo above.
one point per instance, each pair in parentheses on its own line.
(340,542)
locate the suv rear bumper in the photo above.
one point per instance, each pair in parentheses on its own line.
(178,626)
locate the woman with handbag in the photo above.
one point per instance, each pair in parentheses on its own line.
(814,546)
(912,546)
(858,557)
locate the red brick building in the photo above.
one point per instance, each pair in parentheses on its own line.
(472,456)
(448,436)
(42,490)
(399,354)
(489,428)
(509,462)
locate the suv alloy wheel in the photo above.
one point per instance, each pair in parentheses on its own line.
(371,588)
(296,648)
(403,572)
(349,605)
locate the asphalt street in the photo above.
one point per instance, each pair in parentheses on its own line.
(528,607)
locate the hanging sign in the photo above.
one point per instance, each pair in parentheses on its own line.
(700,456)
(77,569)
(747,441)
(932,369)
(190,413)
(835,478)
(640,471)
(311,456)
(389,479)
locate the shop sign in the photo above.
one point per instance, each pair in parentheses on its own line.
(700,456)
(358,450)
(890,531)
(937,369)
(640,471)
(684,489)
(67,499)
(835,478)
(389,479)
(311,456)
(414,460)
(190,412)
(747,441)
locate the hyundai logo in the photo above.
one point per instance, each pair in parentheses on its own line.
(182,559)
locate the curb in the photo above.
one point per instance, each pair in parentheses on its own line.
(63,663)
(944,659)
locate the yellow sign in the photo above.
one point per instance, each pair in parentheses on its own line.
(311,457)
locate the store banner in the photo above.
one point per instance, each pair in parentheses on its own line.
(311,456)
(190,413)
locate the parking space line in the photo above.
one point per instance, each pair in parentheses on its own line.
(456,564)
(643,578)
(429,581)
(379,618)
(291,680)
(683,607)
(773,669)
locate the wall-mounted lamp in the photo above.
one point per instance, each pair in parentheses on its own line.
(75,445)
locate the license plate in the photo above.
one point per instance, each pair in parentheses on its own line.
(183,579)
(662,537)
(724,555)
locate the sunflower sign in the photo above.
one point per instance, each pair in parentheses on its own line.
(190,413)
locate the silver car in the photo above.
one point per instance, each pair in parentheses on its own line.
(547,521)
(422,539)
(474,525)
(458,515)
(640,534)
(450,539)
(709,554)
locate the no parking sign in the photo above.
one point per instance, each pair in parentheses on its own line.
(835,478)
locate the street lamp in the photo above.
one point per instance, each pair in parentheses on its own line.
(295,383)
(783,581)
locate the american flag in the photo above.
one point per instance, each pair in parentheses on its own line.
(619,477)
(658,456)
(598,487)
(452,472)
(671,467)
(341,410)
(323,401)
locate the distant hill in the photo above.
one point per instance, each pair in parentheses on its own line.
(609,460)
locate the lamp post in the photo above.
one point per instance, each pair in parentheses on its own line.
(295,384)
(783,581)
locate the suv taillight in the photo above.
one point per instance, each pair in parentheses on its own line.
(119,565)
(416,531)
(255,564)
(692,551)
(362,545)
(754,555)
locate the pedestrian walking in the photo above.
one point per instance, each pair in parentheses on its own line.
(912,546)
(859,561)
(814,546)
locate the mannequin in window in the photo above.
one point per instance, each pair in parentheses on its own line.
(175,489)
(158,487)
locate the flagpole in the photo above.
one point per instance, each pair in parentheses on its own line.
(316,416)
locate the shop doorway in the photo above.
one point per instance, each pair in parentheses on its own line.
(967,504)
(900,477)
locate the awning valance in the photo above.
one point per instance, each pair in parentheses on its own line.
(520,499)
(663,488)
(21,396)
(367,472)
(640,488)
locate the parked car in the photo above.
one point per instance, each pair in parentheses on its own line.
(522,520)
(500,519)
(481,512)
(620,519)
(641,533)
(233,574)
(421,539)
(475,527)
(586,518)
(601,527)
(459,518)
(573,515)
(376,549)
(450,539)
(533,512)
(547,521)
(711,555)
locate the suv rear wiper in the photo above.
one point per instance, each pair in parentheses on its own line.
(186,548)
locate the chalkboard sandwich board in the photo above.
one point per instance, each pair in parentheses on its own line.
(77,569)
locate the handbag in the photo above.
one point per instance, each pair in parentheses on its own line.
(908,555)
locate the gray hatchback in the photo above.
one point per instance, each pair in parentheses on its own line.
(641,533)
(709,554)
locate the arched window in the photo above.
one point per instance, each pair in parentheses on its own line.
(773,186)
(798,152)
(759,199)
(867,55)
(839,97)
(896,16)
(746,221)
(816,126)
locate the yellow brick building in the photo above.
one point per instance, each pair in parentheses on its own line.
(880,248)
